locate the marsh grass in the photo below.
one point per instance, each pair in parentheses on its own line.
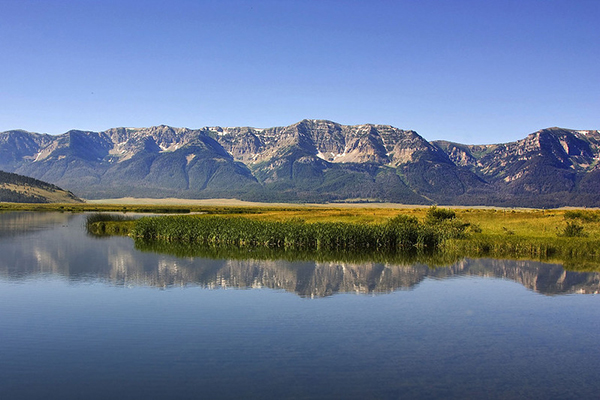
(530,223)
(499,233)
(103,224)
(399,233)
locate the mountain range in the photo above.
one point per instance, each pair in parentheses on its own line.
(312,161)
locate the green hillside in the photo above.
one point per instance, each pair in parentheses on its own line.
(23,189)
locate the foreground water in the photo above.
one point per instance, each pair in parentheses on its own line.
(87,318)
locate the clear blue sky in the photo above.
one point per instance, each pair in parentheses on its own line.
(473,71)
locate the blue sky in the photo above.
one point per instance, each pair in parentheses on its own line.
(463,70)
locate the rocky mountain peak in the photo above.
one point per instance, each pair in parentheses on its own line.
(312,160)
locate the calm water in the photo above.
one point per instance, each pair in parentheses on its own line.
(85,318)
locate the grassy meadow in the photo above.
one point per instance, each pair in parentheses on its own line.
(571,237)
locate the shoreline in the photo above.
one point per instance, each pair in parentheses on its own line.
(242,203)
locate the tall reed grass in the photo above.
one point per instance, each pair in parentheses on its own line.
(398,233)
(480,233)
(104,224)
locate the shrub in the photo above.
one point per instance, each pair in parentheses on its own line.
(573,229)
(445,223)
(435,215)
(585,216)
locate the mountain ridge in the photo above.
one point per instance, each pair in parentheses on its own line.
(312,160)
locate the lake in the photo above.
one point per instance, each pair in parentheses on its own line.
(89,318)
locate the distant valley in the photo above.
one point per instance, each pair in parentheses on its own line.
(312,161)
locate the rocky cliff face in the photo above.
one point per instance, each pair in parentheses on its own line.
(312,160)
(322,159)
(549,167)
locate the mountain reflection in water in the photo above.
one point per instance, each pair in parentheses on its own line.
(53,243)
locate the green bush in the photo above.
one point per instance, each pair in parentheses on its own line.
(573,229)
(584,216)
(445,223)
(436,215)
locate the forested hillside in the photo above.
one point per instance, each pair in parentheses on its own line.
(16,188)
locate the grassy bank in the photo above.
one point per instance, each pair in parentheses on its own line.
(86,207)
(571,237)
(267,212)
(574,253)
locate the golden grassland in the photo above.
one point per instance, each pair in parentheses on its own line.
(526,223)
(491,221)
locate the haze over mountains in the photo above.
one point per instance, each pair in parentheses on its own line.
(312,160)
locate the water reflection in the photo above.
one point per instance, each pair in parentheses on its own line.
(24,223)
(55,243)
